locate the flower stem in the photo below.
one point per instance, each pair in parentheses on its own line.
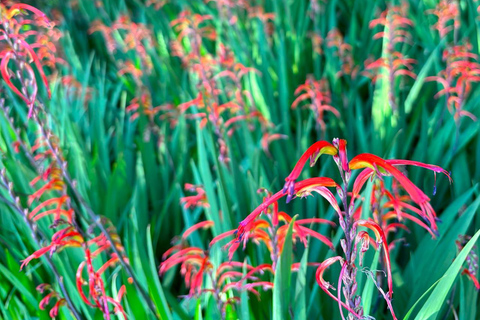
(349,278)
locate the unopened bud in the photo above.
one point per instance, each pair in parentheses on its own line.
(354,288)
(358,300)
(342,222)
(337,160)
(343,244)
(348,174)
(353,233)
(340,192)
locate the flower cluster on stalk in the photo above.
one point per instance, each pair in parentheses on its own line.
(222,99)
(405,201)
(51,199)
(336,40)
(18,50)
(202,276)
(462,70)
(394,35)
(132,41)
(447,16)
(27,44)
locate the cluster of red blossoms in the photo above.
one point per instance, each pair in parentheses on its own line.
(222,100)
(28,40)
(394,205)
(16,49)
(393,62)
(220,81)
(132,49)
(50,199)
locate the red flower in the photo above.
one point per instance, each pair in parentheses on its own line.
(313,152)
(67,237)
(325,286)
(198,200)
(381,167)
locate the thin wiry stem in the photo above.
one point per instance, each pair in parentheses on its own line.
(349,278)
(350,269)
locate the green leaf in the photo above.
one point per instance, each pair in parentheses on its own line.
(367,294)
(283,273)
(417,86)
(198,311)
(434,303)
(12,277)
(409,313)
(154,285)
(244,310)
(300,308)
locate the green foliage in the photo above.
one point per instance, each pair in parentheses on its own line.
(133,171)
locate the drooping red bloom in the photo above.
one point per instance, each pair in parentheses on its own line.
(67,237)
(300,188)
(398,65)
(312,153)
(381,167)
(381,240)
(200,225)
(394,208)
(52,294)
(325,286)
(96,296)
(272,234)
